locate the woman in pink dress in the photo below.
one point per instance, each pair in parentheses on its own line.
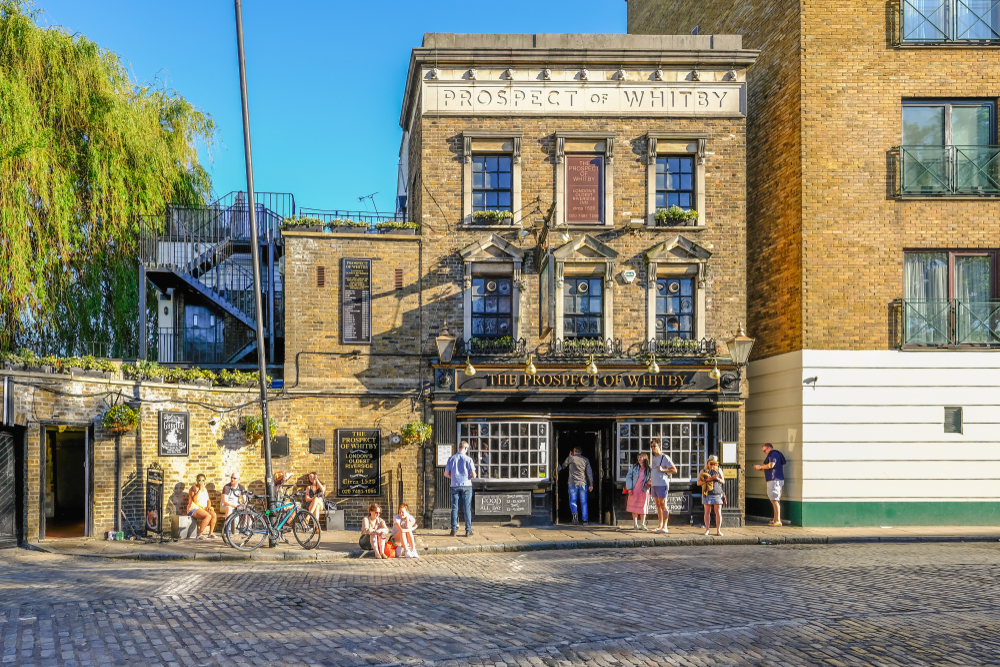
(637,484)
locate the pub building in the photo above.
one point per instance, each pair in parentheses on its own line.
(581,201)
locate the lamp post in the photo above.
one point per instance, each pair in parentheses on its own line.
(445,344)
(739,350)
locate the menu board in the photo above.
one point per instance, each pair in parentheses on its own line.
(511,504)
(584,178)
(356,300)
(154,498)
(174,433)
(359,462)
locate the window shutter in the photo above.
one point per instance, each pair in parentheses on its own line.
(953,420)
(399,278)
(320,276)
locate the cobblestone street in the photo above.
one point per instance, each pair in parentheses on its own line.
(912,604)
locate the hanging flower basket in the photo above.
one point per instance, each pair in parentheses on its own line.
(253,430)
(120,419)
(416,433)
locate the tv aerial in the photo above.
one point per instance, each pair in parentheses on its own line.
(372,198)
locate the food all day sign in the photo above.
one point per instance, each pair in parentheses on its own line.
(359,462)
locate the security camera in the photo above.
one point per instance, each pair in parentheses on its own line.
(811,380)
(214,421)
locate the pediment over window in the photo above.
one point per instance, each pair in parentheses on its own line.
(584,247)
(677,249)
(492,248)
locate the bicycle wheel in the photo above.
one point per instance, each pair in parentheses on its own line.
(305,527)
(246,530)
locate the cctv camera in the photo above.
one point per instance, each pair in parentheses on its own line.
(214,421)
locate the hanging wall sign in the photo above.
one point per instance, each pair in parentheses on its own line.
(154,499)
(356,300)
(174,434)
(359,462)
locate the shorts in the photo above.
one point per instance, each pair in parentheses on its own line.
(711,500)
(774,489)
(191,513)
(365,542)
(659,491)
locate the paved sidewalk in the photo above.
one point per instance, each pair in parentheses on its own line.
(344,544)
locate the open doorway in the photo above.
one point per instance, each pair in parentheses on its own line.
(66,482)
(588,439)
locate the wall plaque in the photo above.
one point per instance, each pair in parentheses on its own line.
(509,504)
(356,300)
(584,184)
(174,433)
(359,462)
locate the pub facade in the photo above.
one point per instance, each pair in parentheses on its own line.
(581,202)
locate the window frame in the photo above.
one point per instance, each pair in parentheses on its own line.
(688,144)
(949,104)
(485,190)
(647,430)
(485,143)
(666,191)
(485,276)
(576,316)
(491,256)
(950,30)
(693,297)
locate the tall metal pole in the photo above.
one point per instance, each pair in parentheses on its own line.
(257,304)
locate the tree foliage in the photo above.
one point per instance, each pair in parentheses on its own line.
(84,151)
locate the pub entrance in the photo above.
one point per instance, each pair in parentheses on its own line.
(66,471)
(593,441)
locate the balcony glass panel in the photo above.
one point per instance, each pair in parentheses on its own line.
(942,21)
(949,170)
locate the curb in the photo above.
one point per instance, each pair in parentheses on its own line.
(520,547)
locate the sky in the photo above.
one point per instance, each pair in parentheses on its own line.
(325,78)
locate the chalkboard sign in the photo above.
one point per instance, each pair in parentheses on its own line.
(359,462)
(174,433)
(504,504)
(356,300)
(154,498)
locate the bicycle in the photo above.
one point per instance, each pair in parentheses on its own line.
(246,529)
(251,501)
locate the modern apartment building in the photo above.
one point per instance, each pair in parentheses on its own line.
(872,277)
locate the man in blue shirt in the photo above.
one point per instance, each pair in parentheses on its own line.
(775,478)
(461,470)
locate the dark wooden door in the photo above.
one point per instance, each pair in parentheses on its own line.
(8,491)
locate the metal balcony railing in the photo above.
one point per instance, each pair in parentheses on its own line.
(202,345)
(683,348)
(949,21)
(929,171)
(361,222)
(950,323)
(492,347)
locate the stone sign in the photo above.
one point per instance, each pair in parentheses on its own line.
(584,175)
(633,98)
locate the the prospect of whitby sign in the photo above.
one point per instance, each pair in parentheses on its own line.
(579,381)
(359,462)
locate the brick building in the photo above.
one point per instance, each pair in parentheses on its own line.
(872,246)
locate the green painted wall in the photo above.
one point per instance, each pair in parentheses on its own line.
(881,514)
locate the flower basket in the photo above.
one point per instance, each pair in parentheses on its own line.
(492,217)
(120,419)
(416,433)
(394,227)
(253,429)
(675,216)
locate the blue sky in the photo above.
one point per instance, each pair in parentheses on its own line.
(325,78)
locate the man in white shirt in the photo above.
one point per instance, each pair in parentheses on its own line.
(659,483)
(232,493)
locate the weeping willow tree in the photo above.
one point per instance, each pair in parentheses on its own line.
(84,151)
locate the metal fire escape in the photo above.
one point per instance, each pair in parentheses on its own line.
(199,260)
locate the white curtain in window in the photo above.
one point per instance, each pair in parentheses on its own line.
(925,277)
(976,19)
(925,20)
(972,296)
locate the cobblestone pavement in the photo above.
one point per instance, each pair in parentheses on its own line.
(859,604)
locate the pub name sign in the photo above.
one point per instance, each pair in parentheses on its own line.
(576,381)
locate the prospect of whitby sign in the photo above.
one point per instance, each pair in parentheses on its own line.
(359,462)
(579,381)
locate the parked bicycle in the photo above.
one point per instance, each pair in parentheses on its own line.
(248,501)
(246,529)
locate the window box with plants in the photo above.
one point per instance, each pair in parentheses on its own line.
(345,226)
(492,218)
(253,428)
(416,433)
(120,419)
(675,216)
(303,224)
(88,366)
(26,360)
(397,227)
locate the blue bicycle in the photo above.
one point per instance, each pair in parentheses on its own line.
(247,528)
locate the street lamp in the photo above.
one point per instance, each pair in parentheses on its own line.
(445,345)
(739,351)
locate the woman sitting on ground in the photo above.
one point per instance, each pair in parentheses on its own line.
(200,509)
(374,532)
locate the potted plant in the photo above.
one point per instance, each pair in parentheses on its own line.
(416,433)
(492,217)
(120,419)
(675,216)
(397,227)
(253,427)
(347,226)
(302,224)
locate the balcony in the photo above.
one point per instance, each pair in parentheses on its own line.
(504,346)
(959,22)
(950,323)
(941,171)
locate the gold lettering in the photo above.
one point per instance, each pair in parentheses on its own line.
(632,380)
(566,379)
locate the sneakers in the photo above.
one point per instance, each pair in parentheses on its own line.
(468,533)
(576,519)
(453,532)
(412,553)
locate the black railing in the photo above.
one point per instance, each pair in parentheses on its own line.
(933,171)
(216,344)
(682,347)
(584,347)
(492,347)
(358,222)
(949,21)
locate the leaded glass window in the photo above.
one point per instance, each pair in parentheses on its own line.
(491,183)
(508,450)
(675,308)
(491,306)
(583,308)
(684,442)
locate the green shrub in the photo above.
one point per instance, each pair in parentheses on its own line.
(396,224)
(252,426)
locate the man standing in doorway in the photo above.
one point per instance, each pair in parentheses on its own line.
(659,483)
(461,470)
(581,481)
(775,477)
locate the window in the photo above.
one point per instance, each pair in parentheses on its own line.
(934,21)
(675,308)
(675,182)
(947,148)
(684,442)
(492,306)
(506,451)
(583,308)
(949,298)
(491,183)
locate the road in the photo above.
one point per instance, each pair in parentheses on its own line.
(878,604)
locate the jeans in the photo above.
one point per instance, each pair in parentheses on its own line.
(574,493)
(463,494)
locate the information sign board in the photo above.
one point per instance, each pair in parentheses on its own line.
(359,462)
(503,504)
(356,300)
